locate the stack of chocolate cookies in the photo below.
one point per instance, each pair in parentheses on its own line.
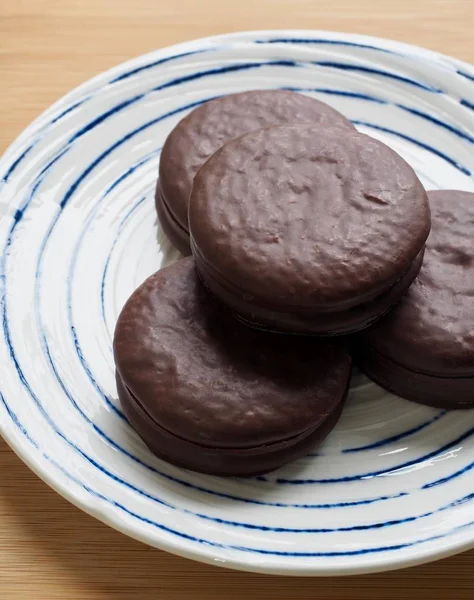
(302,231)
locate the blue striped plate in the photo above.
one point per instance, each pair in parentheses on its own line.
(392,486)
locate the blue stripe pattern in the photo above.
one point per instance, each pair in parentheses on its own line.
(324,42)
(158,525)
(378,72)
(102,120)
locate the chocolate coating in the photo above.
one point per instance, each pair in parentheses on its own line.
(428,339)
(221,461)
(343,322)
(202,377)
(299,219)
(177,235)
(432,390)
(208,127)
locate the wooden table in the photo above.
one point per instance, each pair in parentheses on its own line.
(48,548)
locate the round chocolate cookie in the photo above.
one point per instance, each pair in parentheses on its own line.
(307,230)
(209,394)
(213,124)
(424,349)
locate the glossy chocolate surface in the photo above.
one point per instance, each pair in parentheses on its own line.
(299,219)
(423,350)
(202,376)
(208,127)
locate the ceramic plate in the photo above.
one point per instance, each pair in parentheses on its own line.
(392,486)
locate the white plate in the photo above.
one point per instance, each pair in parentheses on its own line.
(392,486)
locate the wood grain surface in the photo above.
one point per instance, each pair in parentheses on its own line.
(50,550)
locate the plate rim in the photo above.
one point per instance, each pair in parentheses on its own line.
(92,506)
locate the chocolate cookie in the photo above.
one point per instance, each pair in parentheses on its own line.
(307,230)
(424,349)
(207,128)
(209,394)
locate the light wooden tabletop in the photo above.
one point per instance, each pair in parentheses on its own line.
(48,548)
